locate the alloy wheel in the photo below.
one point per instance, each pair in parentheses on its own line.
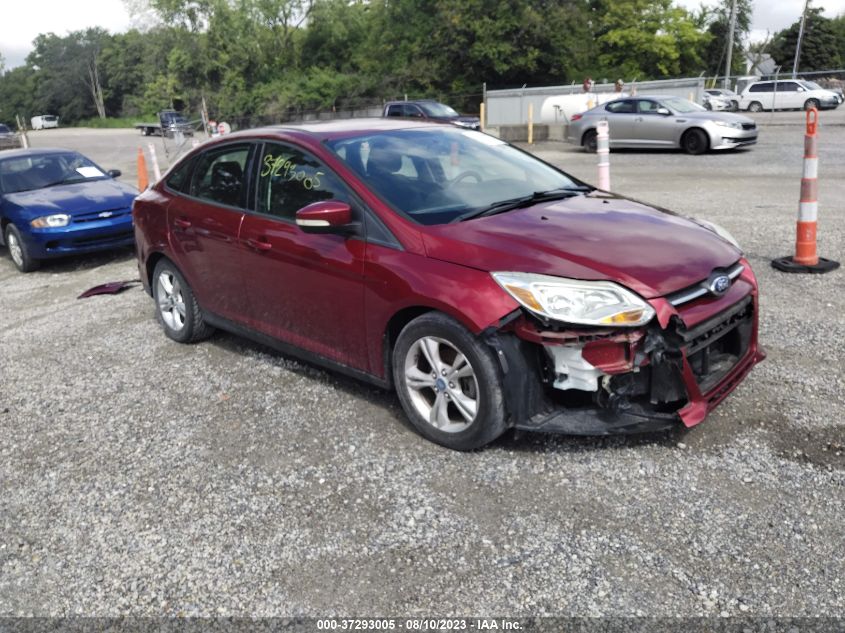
(171,303)
(442,384)
(15,249)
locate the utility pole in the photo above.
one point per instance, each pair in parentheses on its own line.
(800,37)
(730,52)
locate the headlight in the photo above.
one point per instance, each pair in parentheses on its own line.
(720,231)
(734,124)
(575,301)
(50,221)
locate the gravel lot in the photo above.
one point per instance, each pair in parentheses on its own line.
(142,477)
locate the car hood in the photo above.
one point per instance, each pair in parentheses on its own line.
(728,117)
(597,236)
(74,199)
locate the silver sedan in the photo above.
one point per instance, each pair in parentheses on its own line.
(662,122)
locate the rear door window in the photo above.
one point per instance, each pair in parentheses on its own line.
(620,107)
(220,176)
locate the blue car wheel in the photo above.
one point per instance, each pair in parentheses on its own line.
(19,251)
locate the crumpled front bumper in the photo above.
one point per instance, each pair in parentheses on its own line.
(670,374)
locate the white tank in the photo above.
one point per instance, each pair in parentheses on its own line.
(560,108)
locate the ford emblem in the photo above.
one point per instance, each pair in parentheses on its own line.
(719,285)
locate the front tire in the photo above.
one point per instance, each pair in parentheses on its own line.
(19,251)
(809,104)
(695,142)
(177,309)
(755,106)
(449,383)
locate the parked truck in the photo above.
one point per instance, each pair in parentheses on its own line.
(169,123)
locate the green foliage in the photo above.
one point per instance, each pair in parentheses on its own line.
(261,60)
(114,122)
(820,48)
(650,38)
(718,25)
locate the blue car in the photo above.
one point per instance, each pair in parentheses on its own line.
(57,202)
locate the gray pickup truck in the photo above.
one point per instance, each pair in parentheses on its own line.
(169,123)
(431,110)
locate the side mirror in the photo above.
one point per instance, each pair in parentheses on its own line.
(114,173)
(663,111)
(328,216)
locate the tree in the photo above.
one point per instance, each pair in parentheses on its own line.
(819,47)
(649,39)
(718,26)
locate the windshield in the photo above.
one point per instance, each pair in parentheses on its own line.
(4,129)
(438,109)
(26,173)
(811,85)
(437,175)
(682,105)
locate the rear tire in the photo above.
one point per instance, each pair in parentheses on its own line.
(591,141)
(695,142)
(19,251)
(177,309)
(809,104)
(755,106)
(449,383)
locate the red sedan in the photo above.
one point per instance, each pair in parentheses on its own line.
(490,289)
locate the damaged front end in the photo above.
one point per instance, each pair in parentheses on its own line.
(598,381)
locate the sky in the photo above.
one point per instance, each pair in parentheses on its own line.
(20,23)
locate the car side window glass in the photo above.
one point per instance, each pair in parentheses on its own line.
(220,176)
(787,86)
(178,180)
(413,111)
(756,88)
(620,107)
(289,179)
(648,107)
(394,110)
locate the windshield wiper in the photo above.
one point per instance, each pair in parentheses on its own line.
(64,181)
(523,201)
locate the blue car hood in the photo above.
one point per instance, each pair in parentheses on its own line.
(74,199)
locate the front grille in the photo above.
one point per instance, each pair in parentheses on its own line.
(749,126)
(715,346)
(700,289)
(97,216)
(103,239)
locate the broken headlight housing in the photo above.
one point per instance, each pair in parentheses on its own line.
(601,303)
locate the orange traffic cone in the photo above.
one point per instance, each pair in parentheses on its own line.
(806,258)
(143,179)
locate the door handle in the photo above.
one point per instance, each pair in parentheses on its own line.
(259,245)
(639,119)
(182,223)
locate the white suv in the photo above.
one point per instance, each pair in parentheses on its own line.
(788,94)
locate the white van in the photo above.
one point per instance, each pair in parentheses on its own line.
(789,94)
(44,121)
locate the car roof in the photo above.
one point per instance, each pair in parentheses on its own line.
(340,128)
